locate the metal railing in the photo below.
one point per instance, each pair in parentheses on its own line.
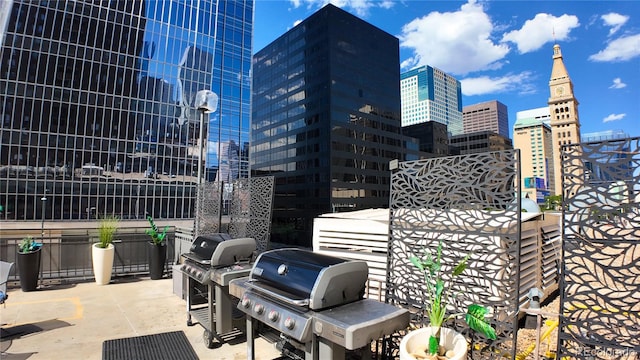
(66,254)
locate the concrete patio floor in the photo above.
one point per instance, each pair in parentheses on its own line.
(71,321)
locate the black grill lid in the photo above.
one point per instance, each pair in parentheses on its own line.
(203,247)
(233,251)
(324,280)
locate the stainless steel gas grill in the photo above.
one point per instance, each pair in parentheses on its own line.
(315,302)
(213,261)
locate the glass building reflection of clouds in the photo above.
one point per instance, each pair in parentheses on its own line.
(111,86)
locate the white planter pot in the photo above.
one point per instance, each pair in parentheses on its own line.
(102,263)
(419,339)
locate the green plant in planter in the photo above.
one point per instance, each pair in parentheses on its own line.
(106,230)
(439,295)
(27,244)
(157,238)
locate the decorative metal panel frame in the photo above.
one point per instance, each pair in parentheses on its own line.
(600,279)
(471,203)
(251,208)
(208,208)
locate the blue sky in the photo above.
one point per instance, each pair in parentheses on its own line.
(502,50)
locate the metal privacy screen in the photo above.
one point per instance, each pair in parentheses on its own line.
(251,208)
(250,205)
(600,279)
(208,208)
(471,203)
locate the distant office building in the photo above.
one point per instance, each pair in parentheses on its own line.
(541,113)
(532,136)
(563,107)
(486,116)
(432,138)
(97,104)
(429,94)
(326,119)
(478,142)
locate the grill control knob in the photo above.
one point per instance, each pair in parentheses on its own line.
(259,309)
(273,315)
(246,302)
(289,323)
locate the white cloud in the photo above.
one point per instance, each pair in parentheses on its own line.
(387,4)
(615,21)
(543,28)
(296,23)
(456,42)
(620,49)
(613,117)
(617,84)
(521,83)
(359,7)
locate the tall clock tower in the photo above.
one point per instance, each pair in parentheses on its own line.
(563,108)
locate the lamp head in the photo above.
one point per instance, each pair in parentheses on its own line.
(207,101)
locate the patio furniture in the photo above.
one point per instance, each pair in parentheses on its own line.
(5,270)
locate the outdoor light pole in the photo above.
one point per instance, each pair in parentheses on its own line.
(44,202)
(206,102)
(201,161)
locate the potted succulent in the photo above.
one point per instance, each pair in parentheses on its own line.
(436,342)
(157,249)
(29,263)
(102,252)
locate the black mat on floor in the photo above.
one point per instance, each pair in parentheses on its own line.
(169,346)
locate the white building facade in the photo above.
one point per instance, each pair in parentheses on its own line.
(429,94)
(532,136)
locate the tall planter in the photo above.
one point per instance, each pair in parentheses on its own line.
(102,259)
(416,342)
(29,269)
(157,260)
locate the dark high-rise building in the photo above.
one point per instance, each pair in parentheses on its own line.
(481,141)
(97,104)
(432,136)
(326,119)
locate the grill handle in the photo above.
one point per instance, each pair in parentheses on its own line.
(282,298)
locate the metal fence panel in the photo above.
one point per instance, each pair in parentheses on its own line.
(472,203)
(209,208)
(600,279)
(67,255)
(251,208)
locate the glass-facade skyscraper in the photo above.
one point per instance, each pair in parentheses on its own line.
(326,119)
(97,105)
(430,94)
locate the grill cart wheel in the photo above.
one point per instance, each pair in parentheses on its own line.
(207,336)
(189,322)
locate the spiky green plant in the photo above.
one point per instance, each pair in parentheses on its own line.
(27,244)
(438,296)
(157,238)
(106,230)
